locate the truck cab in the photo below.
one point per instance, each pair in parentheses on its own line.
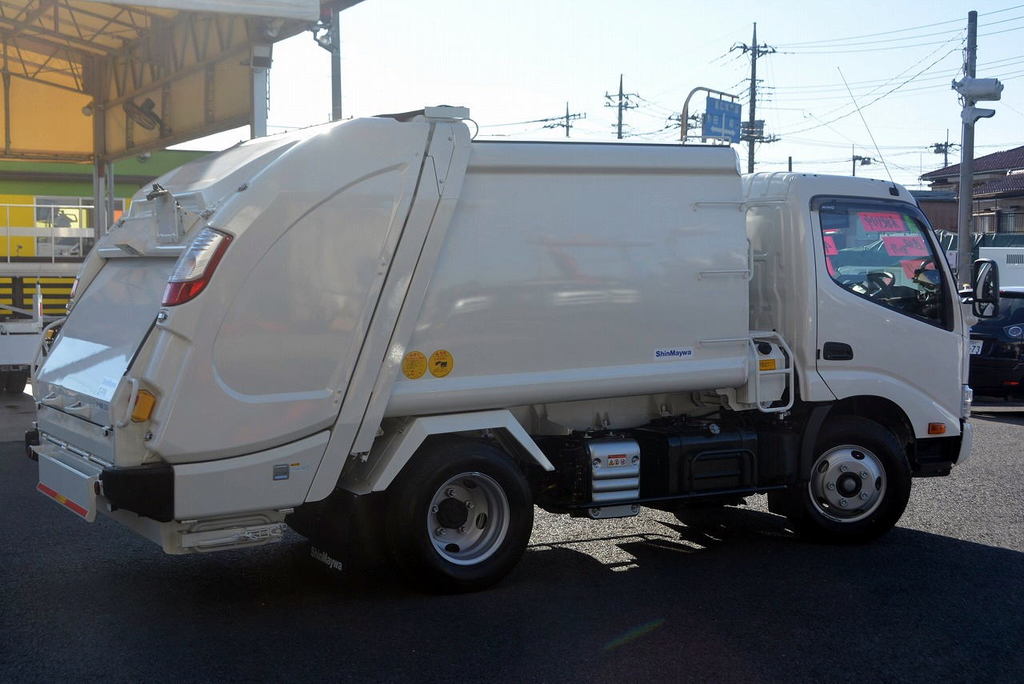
(849,270)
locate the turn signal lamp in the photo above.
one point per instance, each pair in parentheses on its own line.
(936,428)
(196,266)
(144,405)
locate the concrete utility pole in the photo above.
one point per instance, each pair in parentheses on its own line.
(754,133)
(943,149)
(621,104)
(564,121)
(854,157)
(972,91)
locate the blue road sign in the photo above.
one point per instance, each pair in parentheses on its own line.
(722,119)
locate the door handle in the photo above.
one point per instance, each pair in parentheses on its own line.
(837,351)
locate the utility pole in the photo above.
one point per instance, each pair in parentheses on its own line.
(564,122)
(972,90)
(754,133)
(854,157)
(622,103)
(943,149)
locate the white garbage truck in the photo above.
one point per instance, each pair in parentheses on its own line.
(399,340)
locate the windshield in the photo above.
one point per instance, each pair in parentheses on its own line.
(880,251)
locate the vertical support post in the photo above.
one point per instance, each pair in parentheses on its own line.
(753,101)
(335,34)
(963,221)
(7,103)
(260,65)
(102,174)
(791,164)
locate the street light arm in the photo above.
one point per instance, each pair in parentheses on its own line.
(686,108)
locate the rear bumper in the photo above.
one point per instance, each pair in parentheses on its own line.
(992,375)
(84,486)
(245,496)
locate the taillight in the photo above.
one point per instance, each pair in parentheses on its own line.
(196,266)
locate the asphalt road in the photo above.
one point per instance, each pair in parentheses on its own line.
(642,599)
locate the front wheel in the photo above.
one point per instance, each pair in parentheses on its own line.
(858,486)
(459,516)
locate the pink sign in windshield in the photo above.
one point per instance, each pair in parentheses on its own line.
(905,245)
(882,221)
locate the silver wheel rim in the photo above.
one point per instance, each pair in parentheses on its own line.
(847,483)
(468,518)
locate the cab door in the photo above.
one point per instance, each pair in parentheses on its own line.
(887,320)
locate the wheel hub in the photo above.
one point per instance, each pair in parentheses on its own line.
(452,513)
(847,483)
(468,518)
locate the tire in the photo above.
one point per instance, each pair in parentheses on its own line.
(458,516)
(14,381)
(858,486)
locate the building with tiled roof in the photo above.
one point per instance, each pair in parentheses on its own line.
(997,190)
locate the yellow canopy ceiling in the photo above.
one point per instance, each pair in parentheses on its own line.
(95,81)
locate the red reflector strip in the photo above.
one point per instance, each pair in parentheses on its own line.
(61,499)
(1011,383)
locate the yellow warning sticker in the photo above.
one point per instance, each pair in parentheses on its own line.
(441,363)
(766,364)
(414,365)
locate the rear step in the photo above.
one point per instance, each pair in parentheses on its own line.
(234,533)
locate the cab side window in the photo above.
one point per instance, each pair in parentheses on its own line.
(881,252)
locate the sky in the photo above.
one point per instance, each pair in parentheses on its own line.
(515,63)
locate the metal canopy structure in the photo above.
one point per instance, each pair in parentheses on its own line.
(84,81)
(96,81)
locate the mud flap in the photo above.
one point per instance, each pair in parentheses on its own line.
(344,529)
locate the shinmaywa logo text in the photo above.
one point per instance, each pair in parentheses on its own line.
(678,352)
(324,558)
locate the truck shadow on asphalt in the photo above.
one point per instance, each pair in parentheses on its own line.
(1004,416)
(740,596)
(727,597)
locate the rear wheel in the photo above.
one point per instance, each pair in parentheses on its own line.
(458,516)
(858,486)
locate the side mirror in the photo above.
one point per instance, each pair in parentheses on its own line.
(985,284)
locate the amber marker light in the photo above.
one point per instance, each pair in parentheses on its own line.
(144,405)
(936,428)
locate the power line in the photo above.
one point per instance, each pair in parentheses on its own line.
(942,83)
(887,33)
(1007,61)
(890,91)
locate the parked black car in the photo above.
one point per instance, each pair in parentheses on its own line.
(997,348)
